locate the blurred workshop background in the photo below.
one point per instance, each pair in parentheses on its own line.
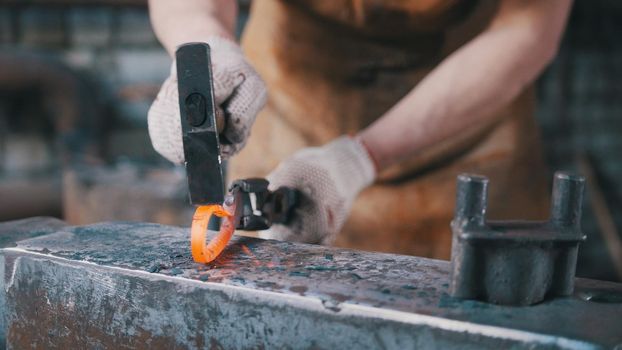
(77,78)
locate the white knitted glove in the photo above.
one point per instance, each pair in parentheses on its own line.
(238,91)
(329,179)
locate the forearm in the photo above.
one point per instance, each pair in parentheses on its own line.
(464,91)
(179,22)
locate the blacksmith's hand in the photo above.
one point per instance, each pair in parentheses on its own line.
(329,179)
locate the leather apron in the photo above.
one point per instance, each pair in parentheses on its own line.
(333,67)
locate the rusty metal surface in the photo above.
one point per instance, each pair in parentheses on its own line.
(134,285)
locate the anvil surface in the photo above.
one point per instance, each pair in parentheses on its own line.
(134,285)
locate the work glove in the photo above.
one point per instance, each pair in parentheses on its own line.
(239,93)
(329,178)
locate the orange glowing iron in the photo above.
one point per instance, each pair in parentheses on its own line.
(202,252)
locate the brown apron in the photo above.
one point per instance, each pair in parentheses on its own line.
(333,67)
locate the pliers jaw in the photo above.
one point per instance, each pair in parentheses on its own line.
(257,208)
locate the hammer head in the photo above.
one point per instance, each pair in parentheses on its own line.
(198,124)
